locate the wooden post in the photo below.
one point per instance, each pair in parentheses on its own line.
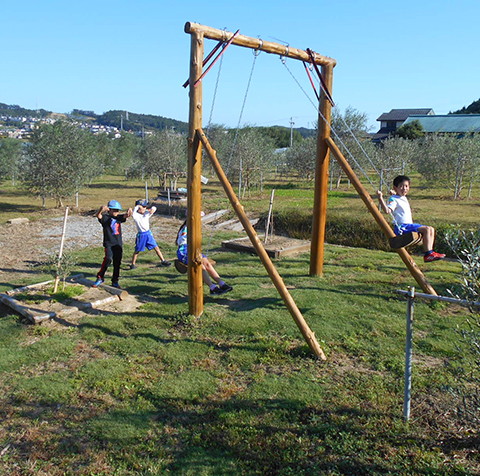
(321,177)
(269,216)
(60,253)
(379,218)
(194,200)
(277,280)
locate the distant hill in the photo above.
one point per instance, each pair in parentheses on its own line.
(474,108)
(131,121)
(17,111)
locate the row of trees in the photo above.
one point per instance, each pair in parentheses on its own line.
(444,161)
(62,158)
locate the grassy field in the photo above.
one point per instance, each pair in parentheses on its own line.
(237,391)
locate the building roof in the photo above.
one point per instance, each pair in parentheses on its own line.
(402,114)
(453,123)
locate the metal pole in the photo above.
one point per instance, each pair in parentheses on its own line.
(408,354)
(146,190)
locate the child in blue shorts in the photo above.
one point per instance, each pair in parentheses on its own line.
(399,207)
(141,214)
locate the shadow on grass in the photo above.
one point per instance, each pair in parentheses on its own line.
(230,437)
(120,185)
(18,208)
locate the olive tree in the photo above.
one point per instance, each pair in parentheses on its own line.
(164,153)
(395,156)
(302,158)
(251,157)
(446,161)
(465,244)
(10,157)
(59,160)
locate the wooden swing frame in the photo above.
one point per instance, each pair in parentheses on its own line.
(197,139)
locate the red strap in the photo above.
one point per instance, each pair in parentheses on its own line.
(311,80)
(225,46)
(324,86)
(205,61)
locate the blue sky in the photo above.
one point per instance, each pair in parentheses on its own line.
(134,56)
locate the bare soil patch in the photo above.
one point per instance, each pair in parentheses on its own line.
(23,245)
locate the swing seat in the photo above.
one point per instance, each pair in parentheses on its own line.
(406,240)
(181,267)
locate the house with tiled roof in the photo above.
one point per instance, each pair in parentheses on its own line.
(391,121)
(459,124)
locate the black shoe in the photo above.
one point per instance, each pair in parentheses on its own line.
(216,290)
(226,288)
(165,264)
(132,266)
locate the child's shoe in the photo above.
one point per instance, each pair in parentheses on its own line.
(132,266)
(165,264)
(226,288)
(433,256)
(216,290)
(116,285)
(98,282)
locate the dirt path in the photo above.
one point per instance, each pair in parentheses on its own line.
(23,245)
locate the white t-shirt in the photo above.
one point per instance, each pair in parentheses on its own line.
(401,211)
(142,220)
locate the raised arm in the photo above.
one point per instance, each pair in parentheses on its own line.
(382,202)
(101,211)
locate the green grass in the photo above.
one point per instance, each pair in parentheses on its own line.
(237,391)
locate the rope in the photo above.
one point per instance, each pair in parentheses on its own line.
(332,129)
(256,53)
(214,95)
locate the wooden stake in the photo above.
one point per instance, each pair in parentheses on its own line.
(121,293)
(379,218)
(277,280)
(60,253)
(24,311)
(269,215)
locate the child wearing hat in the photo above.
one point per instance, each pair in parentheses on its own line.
(110,218)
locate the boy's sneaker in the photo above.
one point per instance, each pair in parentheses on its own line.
(433,256)
(132,266)
(216,290)
(165,264)
(116,285)
(226,288)
(98,282)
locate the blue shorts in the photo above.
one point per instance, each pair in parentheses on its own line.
(144,240)
(406,228)
(182,254)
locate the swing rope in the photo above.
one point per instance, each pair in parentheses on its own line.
(400,241)
(256,53)
(332,129)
